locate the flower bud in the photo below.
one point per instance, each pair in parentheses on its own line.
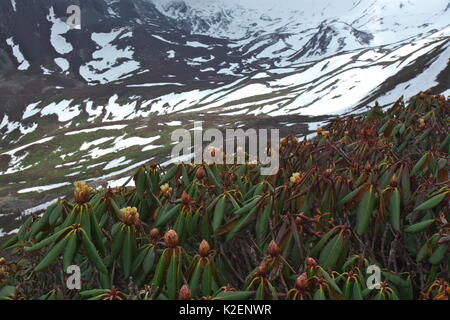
(311,262)
(185,198)
(444,240)
(185,293)
(274,249)
(200,174)
(154,235)
(171,238)
(301,283)
(262,269)
(2,261)
(153,164)
(203,249)
(393,182)
(328,172)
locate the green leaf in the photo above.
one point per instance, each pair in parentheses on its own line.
(139,259)
(149,260)
(164,217)
(92,253)
(70,251)
(52,254)
(246,208)
(161,269)
(47,241)
(315,250)
(419,227)
(439,254)
(420,164)
(207,280)
(97,234)
(169,175)
(116,246)
(432,202)
(319,295)
(127,254)
(349,196)
(241,224)
(357,293)
(262,223)
(365,210)
(93,292)
(234,295)
(330,254)
(195,278)
(260,291)
(331,281)
(218,213)
(172,277)
(394,209)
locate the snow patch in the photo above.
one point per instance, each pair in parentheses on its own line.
(58,29)
(23,63)
(44,188)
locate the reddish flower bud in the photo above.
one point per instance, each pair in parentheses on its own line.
(274,249)
(311,262)
(203,249)
(171,238)
(185,293)
(185,198)
(153,164)
(154,235)
(200,174)
(393,182)
(301,283)
(262,269)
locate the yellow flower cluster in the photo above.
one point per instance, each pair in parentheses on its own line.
(166,189)
(130,216)
(296,177)
(82,192)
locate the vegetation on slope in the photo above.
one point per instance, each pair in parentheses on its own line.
(370,189)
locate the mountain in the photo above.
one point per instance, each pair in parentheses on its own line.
(95,102)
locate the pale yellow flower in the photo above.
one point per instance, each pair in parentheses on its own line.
(296,177)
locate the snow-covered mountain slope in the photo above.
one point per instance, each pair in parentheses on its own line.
(309,29)
(92,104)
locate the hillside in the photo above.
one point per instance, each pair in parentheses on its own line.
(369,189)
(95,103)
